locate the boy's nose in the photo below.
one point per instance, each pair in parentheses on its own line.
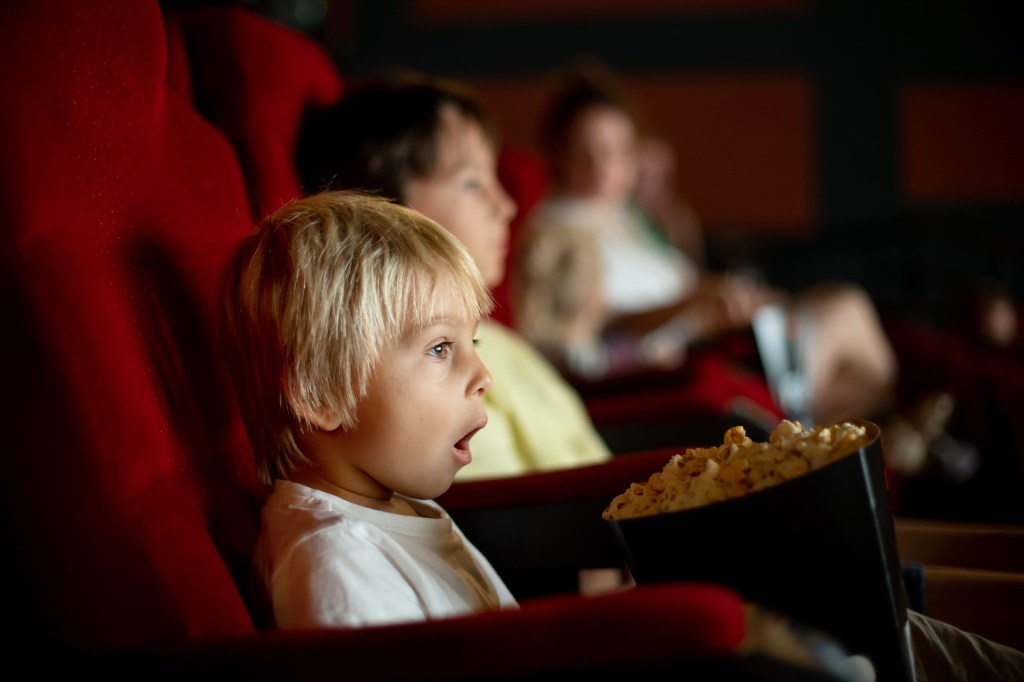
(482,379)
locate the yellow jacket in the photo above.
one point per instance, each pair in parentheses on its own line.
(536,421)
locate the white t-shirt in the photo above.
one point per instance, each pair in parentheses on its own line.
(326,562)
(640,273)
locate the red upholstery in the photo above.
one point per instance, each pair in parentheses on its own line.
(525,177)
(126,482)
(666,629)
(988,385)
(598,481)
(254,80)
(708,384)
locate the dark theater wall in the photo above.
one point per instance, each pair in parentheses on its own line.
(873,140)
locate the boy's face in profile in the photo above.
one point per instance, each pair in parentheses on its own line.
(423,404)
(464,195)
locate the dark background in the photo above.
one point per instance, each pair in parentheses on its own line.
(875,141)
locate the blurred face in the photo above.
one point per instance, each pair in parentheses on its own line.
(464,195)
(599,161)
(999,323)
(423,405)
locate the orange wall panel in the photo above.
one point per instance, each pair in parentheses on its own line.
(963,142)
(745,143)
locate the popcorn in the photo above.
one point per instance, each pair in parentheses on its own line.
(737,467)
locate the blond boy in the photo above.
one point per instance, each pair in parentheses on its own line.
(351,325)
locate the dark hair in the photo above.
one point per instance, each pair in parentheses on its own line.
(586,84)
(381,135)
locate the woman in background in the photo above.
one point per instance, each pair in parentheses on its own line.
(824,350)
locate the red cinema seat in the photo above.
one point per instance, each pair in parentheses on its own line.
(525,177)
(128,491)
(255,80)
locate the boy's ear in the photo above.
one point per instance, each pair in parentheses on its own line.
(325,419)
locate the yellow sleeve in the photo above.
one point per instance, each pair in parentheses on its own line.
(536,421)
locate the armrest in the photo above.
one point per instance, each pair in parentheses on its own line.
(596,481)
(996,547)
(540,530)
(986,603)
(694,404)
(971,574)
(678,628)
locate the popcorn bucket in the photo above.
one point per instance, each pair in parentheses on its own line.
(820,548)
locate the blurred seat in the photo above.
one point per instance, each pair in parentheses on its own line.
(525,177)
(986,603)
(988,387)
(981,546)
(971,574)
(129,505)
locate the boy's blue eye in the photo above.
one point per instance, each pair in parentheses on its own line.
(441,350)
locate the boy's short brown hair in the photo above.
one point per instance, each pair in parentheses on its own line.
(383,134)
(312,297)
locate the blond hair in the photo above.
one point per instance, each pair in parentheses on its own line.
(313,296)
(556,271)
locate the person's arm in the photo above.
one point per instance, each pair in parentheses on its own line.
(656,195)
(716,305)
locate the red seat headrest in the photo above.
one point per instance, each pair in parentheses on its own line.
(255,80)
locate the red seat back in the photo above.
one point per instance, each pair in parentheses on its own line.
(128,489)
(525,178)
(255,80)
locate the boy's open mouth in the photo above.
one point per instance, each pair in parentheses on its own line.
(462,445)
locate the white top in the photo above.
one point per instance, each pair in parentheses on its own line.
(640,272)
(326,562)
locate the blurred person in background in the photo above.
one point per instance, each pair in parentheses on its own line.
(823,350)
